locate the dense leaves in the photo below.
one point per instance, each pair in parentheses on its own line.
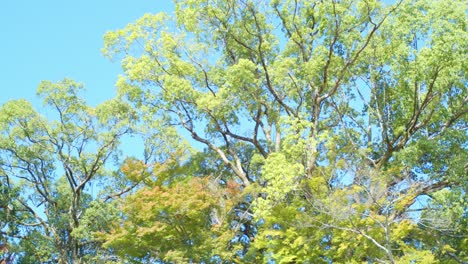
(178,215)
(342,120)
(332,132)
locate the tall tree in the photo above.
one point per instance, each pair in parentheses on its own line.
(342,120)
(50,170)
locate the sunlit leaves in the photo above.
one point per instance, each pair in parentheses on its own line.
(338,118)
(167,223)
(335,132)
(51,163)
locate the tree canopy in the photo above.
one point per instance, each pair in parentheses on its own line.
(332,132)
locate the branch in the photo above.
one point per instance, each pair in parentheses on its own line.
(189,128)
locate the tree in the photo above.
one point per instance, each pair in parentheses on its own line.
(178,215)
(174,216)
(341,120)
(49,170)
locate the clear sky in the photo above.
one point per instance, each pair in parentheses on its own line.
(54,39)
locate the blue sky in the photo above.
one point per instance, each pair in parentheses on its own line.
(52,39)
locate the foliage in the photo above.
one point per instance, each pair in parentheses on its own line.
(49,168)
(341,120)
(177,223)
(333,132)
